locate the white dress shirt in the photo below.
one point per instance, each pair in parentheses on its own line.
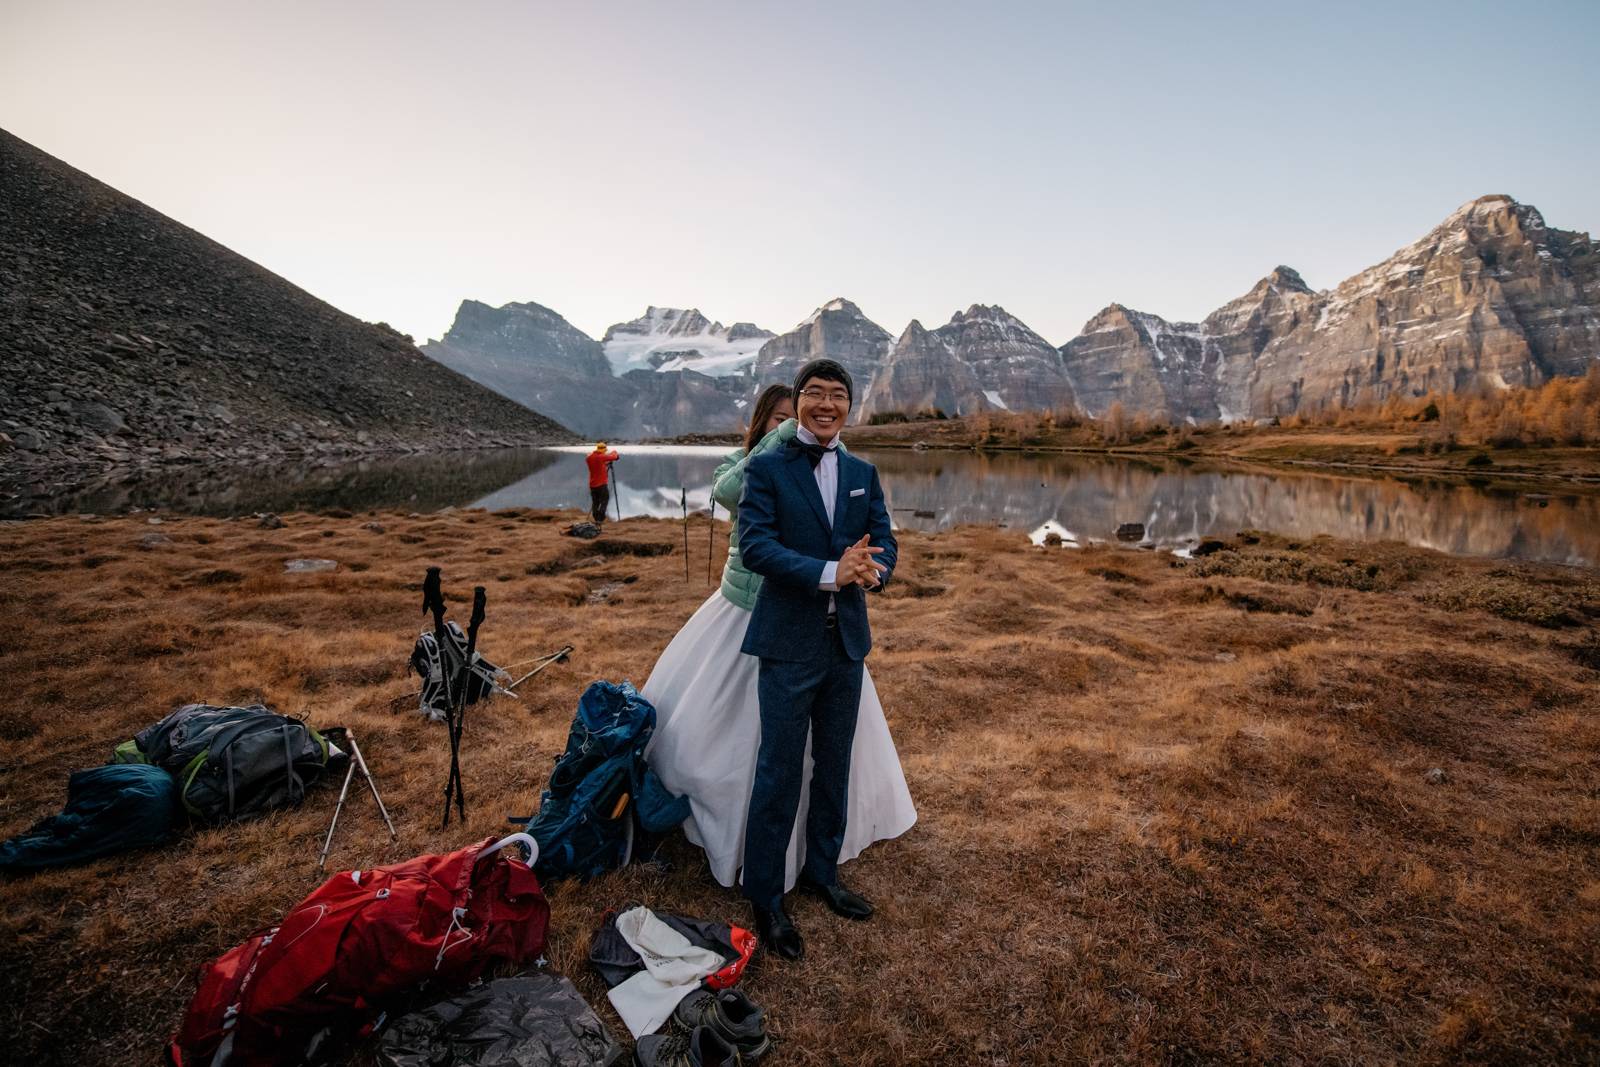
(827,475)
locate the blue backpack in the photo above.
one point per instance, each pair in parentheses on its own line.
(602,795)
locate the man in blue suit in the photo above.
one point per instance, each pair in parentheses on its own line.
(812,523)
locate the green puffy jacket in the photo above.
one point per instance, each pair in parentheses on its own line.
(727,485)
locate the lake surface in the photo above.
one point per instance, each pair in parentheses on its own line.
(1087,496)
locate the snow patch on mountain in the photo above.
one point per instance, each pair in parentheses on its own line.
(836,304)
(673,339)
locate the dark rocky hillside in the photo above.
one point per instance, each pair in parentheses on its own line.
(128,340)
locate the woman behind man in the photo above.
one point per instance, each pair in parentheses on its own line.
(708,715)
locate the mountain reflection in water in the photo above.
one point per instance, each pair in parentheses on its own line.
(419,483)
(1177,502)
(1180,503)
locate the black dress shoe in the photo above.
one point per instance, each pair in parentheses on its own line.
(839,899)
(777,932)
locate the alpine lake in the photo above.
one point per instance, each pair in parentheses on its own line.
(1066,498)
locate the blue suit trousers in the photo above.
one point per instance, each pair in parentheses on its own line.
(819,697)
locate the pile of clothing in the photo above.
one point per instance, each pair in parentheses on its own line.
(669,967)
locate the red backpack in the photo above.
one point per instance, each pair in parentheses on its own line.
(355,946)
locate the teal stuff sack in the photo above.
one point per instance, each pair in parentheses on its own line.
(109,809)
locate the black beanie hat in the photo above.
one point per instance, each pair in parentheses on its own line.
(827,370)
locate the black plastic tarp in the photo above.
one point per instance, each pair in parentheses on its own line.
(537,1020)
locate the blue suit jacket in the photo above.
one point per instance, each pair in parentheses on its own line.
(784,536)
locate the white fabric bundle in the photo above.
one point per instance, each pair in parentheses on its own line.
(674,967)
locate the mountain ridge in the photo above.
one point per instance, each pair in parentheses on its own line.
(1527,294)
(1282,347)
(134,340)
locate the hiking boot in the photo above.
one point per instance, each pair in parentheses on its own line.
(839,899)
(700,1047)
(735,1018)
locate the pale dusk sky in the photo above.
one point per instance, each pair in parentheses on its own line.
(757,159)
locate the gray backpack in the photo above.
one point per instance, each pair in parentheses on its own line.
(231,763)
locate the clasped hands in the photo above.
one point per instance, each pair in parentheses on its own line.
(857,567)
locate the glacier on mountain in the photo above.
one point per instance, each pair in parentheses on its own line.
(673,339)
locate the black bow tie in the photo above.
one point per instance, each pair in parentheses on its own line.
(814,453)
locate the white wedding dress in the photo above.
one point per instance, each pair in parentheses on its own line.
(708,728)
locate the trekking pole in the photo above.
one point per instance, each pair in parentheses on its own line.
(616,497)
(711,537)
(684,499)
(453,786)
(433,600)
(559,656)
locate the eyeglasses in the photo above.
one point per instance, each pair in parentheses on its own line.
(837,396)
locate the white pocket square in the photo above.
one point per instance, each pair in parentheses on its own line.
(858,492)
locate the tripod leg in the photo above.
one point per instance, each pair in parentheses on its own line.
(372,785)
(348,774)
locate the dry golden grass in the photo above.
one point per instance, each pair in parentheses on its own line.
(1550,433)
(1169,812)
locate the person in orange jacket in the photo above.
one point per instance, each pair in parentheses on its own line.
(600,462)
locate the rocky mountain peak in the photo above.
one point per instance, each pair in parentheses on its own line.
(1280,286)
(527,306)
(983,359)
(1285,278)
(476,315)
(839,307)
(837,330)
(1487,218)
(1492,204)
(514,332)
(992,327)
(1112,316)
(742,331)
(922,374)
(663,321)
(913,331)
(692,322)
(672,339)
(982,313)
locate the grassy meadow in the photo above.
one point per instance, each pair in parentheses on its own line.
(1290,802)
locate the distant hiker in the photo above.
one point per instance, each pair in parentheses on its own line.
(600,462)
